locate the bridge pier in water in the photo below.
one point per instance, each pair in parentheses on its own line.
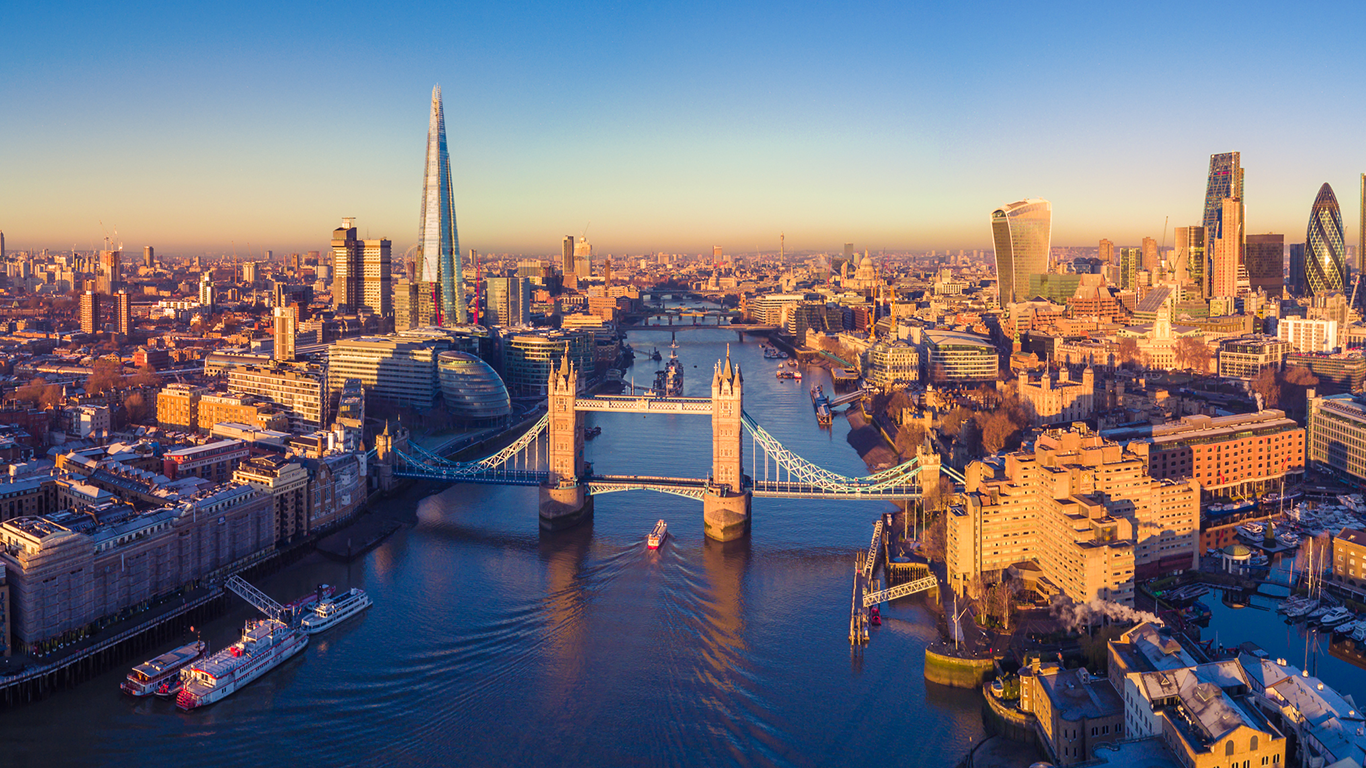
(564,506)
(726,517)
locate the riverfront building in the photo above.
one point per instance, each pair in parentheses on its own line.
(438,243)
(528,357)
(892,362)
(1075,711)
(1079,506)
(1231,457)
(1337,436)
(472,390)
(396,369)
(69,571)
(1022,232)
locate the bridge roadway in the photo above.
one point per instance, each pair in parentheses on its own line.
(636,404)
(773,489)
(737,327)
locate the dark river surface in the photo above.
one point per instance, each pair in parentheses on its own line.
(492,643)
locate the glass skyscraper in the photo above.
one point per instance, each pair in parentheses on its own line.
(1022,233)
(1325,259)
(438,243)
(1225,180)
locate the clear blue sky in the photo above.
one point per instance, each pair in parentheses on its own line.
(669,127)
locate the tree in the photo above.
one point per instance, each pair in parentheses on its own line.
(1127,350)
(1266,385)
(935,540)
(30,392)
(105,375)
(51,397)
(135,404)
(953,421)
(909,438)
(996,431)
(145,376)
(1192,354)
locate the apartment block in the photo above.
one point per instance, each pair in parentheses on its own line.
(1231,457)
(178,407)
(299,390)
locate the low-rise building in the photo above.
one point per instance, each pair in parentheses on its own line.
(892,362)
(286,483)
(956,357)
(396,369)
(1076,712)
(1337,372)
(1244,357)
(1062,401)
(214,461)
(299,390)
(1349,556)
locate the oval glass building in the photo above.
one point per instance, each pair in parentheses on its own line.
(1325,259)
(472,390)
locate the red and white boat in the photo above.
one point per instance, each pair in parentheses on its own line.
(152,676)
(265,644)
(657,536)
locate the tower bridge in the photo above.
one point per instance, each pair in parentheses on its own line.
(550,455)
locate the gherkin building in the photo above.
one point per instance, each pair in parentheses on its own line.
(1325,260)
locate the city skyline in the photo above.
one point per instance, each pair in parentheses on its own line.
(658,141)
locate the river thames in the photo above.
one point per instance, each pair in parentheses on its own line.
(492,643)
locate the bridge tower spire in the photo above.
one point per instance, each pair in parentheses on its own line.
(564,500)
(725,509)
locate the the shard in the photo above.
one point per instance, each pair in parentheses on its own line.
(438,244)
(1325,262)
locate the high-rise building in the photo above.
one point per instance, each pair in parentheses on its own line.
(123,313)
(149,259)
(1190,256)
(1106,253)
(1150,257)
(1295,273)
(207,293)
(1265,260)
(294,263)
(286,322)
(90,312)
(2,232)
(406,303)
(1130,262)
(583,258)
(1225,252)
(509,301)
(249,272)
(348,276)
(107,280)
(567,256)
(1361,232)
(1225,180)
(377,294)
(1324,257)
(438,243)
(1022,231)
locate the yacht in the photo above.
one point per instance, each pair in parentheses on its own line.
(657,536)
(1335,617)
(330,613)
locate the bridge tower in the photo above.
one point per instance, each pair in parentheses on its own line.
(726,507)
(386,444)
(564,500)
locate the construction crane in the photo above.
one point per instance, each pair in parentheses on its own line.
(260,600)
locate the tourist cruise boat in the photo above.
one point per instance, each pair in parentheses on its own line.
(330,613)
(148,677)
(265,644)
(657,536)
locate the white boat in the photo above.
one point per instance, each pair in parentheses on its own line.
(265,644)
(657,536)
(1359,634)
(1303,609)
(330,613)
(1346,627)
(1288,539)
(147,677)
(1335,617)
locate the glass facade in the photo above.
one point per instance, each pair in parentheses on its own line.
(1021,232)
(1265,259)
(438,242)
(529,356)
(1325,256)
(1225,180)
(473,392)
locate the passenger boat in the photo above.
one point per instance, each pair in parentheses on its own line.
(148,677)
(305,604)
(785,374)
(657,536)
(265,644)
(797,375)
(330,613)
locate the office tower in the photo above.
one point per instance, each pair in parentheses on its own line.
(1021,231)
(583,258)
(1106,252)
(1324,261)
(1150,257)
(848,250)
(567,256)
(607,271)
(123,313)
(286,322)
(1264,256)
(1295,274)
(206,291)
(377,294)
(107,278)
(1361,232)
(294,264)
(1189,262)
(2,232)
(716,254)
(249,272)
(149,259)
(1225,251)
(438,243)
(90,312)
(269,256)
(348,278)
(1225,180)
(1129,265)
(509,301)
(406,304)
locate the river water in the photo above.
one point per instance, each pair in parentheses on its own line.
(492,643)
